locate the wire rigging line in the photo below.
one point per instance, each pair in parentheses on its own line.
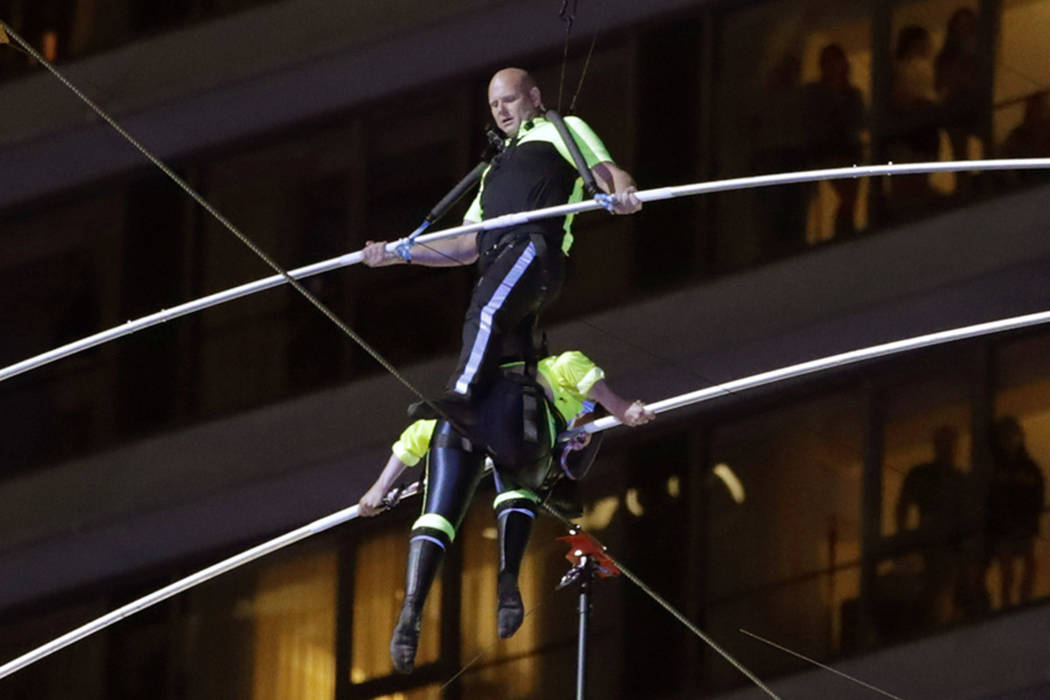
(283,276)
(583,73)
(481,654)
(650,195)
(662,602)
(569,17)
(837,672)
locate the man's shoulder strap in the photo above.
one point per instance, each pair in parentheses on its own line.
(574,150)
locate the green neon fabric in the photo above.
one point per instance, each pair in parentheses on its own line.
(515,495)
(414,442)
(569,375)
(591,148)
(436,522)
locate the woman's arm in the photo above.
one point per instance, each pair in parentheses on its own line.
(372,502)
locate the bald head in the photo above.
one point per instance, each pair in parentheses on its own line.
(514,98)
(515,78)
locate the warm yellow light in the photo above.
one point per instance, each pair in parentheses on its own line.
(598,516)
(736,488)
(674,486)
(630,500)
(49,42)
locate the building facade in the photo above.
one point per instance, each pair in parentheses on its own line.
(885,527)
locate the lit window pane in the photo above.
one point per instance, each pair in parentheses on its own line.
(929,505)
(379,589)
(1023,395)
(294,613)
(786,558)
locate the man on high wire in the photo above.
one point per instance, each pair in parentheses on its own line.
(521,268)
(493,395)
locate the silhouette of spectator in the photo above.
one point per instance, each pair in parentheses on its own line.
(1015,502)
(780,136)
(914,136)
(1032,136)
(940,492)
(835,114)
(956,72)
(913,78)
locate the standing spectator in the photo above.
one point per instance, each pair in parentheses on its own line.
(913,73)
(835,113)
(940,492)
(956,72)
(914,136)
(1015,502)
(1030,138)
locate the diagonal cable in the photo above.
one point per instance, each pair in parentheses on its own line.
(837,672)
(662,602)
(226,223)
(481,654)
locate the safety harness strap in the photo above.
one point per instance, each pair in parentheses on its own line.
(589,183)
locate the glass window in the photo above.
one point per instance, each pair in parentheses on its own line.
(924,422)
(264,192)
(783,533)
(271,625)
(798,102)
(1018,545)
(928,506)
(68,29)
(213,657)
(294,636)
(430,692)
(1022,83)
(508,668)
(60,264)
(607,101)
(379,589)
(78,671)
(936,98)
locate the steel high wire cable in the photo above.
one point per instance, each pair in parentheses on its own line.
(187,582)
(282,274)
(650,195)
(291,277)
(663,406)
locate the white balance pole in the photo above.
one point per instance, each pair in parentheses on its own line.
(514,220)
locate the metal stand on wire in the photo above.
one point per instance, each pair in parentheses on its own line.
(589,560)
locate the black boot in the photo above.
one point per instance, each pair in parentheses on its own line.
(511,611)
(424,557)
(405,640)
(514,530)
